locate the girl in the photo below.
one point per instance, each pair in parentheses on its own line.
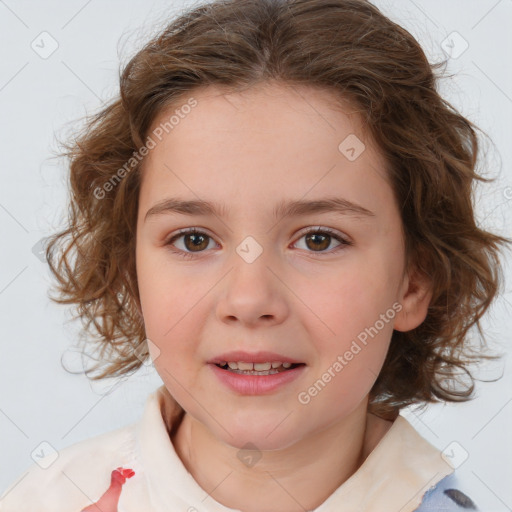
(276,211)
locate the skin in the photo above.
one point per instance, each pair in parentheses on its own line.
(251,150)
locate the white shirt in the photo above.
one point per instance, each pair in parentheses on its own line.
(394,477)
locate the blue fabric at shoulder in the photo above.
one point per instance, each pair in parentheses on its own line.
(447,496)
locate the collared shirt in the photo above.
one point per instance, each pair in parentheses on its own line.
(136,469)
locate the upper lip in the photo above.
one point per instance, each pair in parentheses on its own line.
(255,357)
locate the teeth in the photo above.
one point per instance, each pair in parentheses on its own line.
(262,366)
(240,365)
(254,372)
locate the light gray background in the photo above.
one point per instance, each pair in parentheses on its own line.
(41,98)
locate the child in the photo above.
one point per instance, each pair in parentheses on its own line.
(277,211)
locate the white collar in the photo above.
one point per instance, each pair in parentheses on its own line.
(394,476)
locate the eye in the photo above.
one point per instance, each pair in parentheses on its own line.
(319,239)
(195,241)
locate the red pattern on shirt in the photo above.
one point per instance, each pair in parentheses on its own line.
(110,498)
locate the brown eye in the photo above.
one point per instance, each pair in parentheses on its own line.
(193,242)
(196,242)
(320,239)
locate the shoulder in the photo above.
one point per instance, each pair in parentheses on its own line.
(450,494)
(68,479)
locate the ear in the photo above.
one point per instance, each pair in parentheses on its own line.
(415,296)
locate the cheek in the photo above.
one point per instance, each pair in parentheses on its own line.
(350,300)
(166,293)
(169,304)
(343,380)
(350,363)
(355,306)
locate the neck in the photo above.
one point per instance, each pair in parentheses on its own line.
(299,477)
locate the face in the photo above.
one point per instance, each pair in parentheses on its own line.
(252,281)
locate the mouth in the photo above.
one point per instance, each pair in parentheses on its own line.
(262,378)
(262,369)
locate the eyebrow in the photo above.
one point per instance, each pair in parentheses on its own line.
(283,209)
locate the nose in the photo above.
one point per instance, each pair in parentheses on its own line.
(253,293)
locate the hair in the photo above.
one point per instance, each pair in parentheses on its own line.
(345,47)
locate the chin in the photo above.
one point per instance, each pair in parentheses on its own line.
(258,437)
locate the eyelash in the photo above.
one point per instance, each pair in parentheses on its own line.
(193,231)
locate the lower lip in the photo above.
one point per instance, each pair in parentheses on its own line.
(256,384)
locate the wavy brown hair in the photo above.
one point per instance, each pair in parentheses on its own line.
(348,48)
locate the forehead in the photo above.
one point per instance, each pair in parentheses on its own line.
(266,142)
(274,115)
